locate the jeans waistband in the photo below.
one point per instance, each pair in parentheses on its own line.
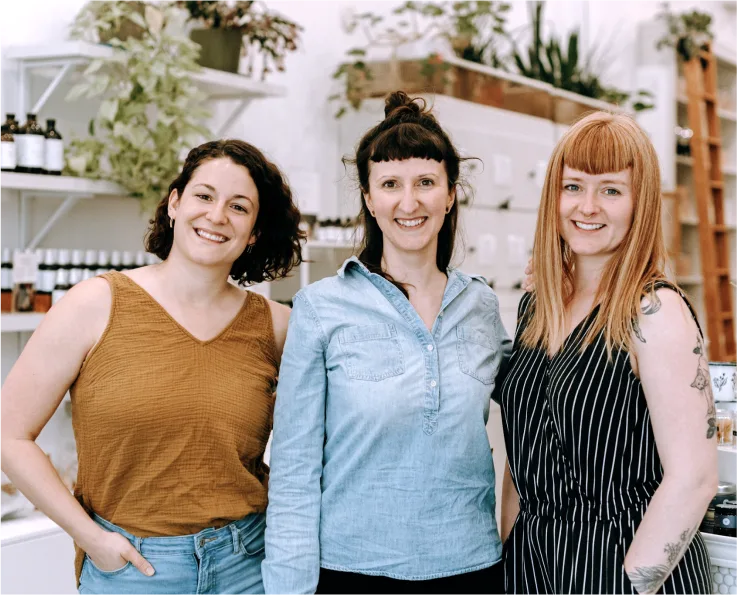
(231,535)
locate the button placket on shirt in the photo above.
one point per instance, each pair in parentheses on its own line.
(432,390)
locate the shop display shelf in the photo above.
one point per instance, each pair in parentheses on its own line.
(26,528)
(217,84)
(64,185)
(20,322)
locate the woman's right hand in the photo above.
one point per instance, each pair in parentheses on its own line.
(113,552)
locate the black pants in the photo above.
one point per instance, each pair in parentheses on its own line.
(488,580)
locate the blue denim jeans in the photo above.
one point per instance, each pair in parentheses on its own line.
(225,560)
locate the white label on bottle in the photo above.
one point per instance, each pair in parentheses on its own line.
(25,268)
(56,295)
(7,279)
(48,281)
(20,143)
(31,150)
(54,148)
(7,157)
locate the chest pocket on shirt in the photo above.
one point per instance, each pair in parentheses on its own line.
(372,352)
(476,354)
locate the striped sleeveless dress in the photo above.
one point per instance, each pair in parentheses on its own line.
(584,461)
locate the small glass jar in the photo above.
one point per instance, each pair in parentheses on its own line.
(725,491)
(725,519)
(724,427)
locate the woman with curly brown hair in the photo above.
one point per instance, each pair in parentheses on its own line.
(172,371)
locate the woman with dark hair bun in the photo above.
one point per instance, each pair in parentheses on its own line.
(382,479)
(172,371)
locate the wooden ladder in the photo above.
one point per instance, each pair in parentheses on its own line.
(706,149)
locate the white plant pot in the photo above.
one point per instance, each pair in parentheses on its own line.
(723,380)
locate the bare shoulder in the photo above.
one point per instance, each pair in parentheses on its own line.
(280,321)
(89,298)
(83,312)
(664,317)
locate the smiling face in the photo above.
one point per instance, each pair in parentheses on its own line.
(595,211)
(216,214)
(409,199)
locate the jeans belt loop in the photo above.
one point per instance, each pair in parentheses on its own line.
(236,539)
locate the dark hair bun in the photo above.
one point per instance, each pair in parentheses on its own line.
(401,106)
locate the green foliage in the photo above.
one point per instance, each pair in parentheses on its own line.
(472,28)
(545,60)
(151,114)
(264,31)
(688,32)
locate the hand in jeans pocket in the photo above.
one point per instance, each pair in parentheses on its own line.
(112,552)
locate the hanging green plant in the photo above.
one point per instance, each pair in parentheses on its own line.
(151,114)
(688,32)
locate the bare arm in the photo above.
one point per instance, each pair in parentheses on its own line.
(510,503)
(673,368)
(35,386)
(280,321)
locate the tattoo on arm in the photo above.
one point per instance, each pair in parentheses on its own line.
(638,330)
(648,579)
(702,383)
(652,306)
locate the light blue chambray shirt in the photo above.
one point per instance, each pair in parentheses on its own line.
(380,462)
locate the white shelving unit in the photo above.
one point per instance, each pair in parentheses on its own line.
(26,541)
(33,526)
(66,60)
(20,323)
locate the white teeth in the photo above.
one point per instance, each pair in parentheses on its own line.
(410,222)
(210,236)
(588,226)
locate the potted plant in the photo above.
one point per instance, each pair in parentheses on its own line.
(229,30)
(688,32)
(150,113)
(560,63)
(469,28)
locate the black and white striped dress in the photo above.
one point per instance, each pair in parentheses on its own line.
(583,458)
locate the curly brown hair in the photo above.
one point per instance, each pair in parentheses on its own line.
(277,249)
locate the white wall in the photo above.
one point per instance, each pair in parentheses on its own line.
(298,131)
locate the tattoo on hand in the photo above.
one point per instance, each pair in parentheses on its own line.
(703,385)
(652,307)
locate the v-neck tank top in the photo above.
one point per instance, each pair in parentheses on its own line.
(171,430)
